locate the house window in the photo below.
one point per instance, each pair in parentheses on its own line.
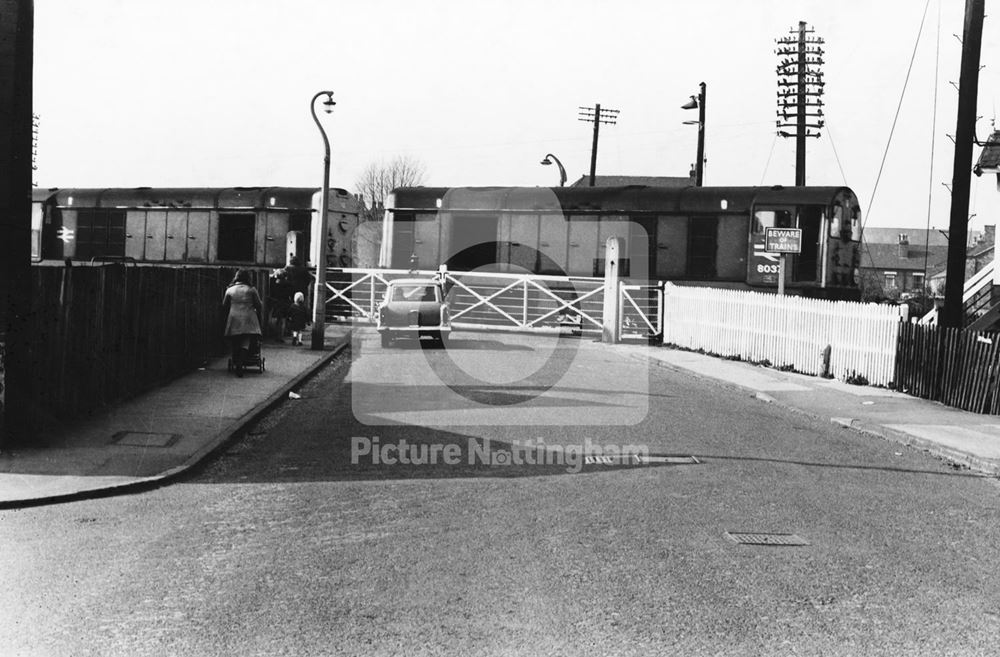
(236,236)
(890,280)
(918,281)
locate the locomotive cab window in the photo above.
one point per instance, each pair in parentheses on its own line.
(772,219)
(837,223)
(236,236)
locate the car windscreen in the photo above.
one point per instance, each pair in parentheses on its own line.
(414,292)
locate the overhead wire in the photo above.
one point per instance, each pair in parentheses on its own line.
(892,130)
(835,154)
(930,175)
(768,163)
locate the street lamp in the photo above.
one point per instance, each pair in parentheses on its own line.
(698,102)
(549,159)
(319,298)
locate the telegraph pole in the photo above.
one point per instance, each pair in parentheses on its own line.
(961,178)
(597,116)
(800,90)
(15,217)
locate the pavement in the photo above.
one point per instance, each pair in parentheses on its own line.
(157,436)
(153,438)
(965,439)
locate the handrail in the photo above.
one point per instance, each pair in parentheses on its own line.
(977,282)
(975,285)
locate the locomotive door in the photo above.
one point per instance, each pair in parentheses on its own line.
(176,243)
(805,265)
(197,236)
(275,235)
(135,234)
(156,234)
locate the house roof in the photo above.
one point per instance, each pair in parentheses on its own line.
(989,159)
(623,181)
(979,250)
(886,256)
(918,237)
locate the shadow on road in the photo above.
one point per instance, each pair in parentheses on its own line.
(454,343)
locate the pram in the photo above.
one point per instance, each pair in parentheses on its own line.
(253,358)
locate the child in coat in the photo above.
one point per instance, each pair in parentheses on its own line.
(297,317)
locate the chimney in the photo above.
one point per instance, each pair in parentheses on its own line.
(904,245)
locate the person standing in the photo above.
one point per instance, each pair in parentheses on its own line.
(242,306)
(286,282)
(298,315)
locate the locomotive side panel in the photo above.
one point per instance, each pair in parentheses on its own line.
(583,245)
(197,235)
(175,249)
(275,232)
(671,242)
(156,236)
(553,247)
(731,264)
(522,239)
(427,239)
(135,234)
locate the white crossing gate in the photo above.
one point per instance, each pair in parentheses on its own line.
(481,300)
(641,311)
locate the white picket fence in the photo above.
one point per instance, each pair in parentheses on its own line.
(786,331)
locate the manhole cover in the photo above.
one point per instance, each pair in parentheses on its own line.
(144,439)
(673,460)
(761,538)
(637,459)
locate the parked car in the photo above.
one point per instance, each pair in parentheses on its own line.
(413,308)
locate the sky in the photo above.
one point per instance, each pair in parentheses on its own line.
(216,93)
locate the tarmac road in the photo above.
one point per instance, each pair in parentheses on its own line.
(282,545)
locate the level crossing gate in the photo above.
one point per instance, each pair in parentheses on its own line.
(497,301)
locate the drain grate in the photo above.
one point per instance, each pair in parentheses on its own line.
(144,439)
(763,538)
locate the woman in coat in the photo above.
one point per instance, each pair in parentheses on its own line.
(243,307)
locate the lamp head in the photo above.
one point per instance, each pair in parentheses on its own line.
(329,103)
(691,104)
(547,161)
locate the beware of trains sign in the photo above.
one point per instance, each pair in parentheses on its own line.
(783,240)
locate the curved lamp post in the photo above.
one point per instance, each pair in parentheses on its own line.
(698,103)
(319,297)
(549,159)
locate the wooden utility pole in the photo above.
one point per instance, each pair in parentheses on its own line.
(16,25)
(597,116)
(593,148)
(699,167)
(698,102)
(800,119)
(965,134)
(800,91)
